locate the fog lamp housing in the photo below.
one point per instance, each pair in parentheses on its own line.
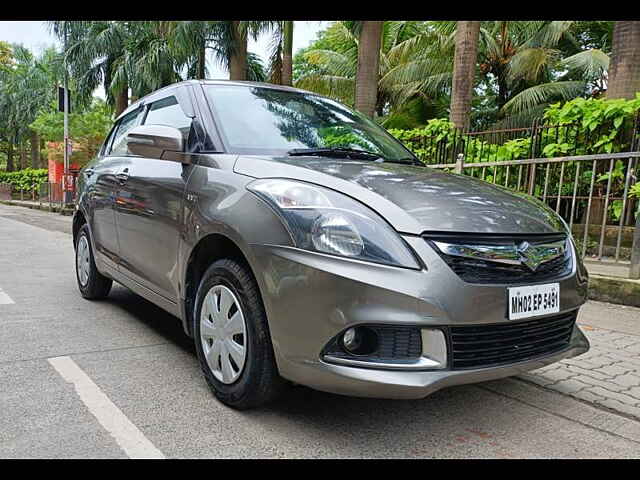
(395,347)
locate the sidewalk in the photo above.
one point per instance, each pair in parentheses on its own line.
(610,282)
(608,374)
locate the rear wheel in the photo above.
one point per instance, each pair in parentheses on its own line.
(92,284)
(232,338)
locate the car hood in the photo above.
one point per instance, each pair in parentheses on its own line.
(433,200)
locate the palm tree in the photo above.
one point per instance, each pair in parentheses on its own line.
(624,69)
(140,56)
(464,70)
(189,41)
(25,90)
(525,58)
(521,65)
(229,44)
(238,52)
(368,71)
(287,53)
(148,63)
(413,73)
(95,50)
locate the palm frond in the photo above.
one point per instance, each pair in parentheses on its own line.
(333,62)
(544,93)
(529,63)
(591,63)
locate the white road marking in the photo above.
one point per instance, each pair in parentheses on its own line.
(4,298)
(126,434)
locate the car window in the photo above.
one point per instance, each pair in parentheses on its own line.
(168,112)
(119,145)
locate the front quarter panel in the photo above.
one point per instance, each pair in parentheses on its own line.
(218,203)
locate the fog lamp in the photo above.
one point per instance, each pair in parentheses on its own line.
(359,341)
(350,340)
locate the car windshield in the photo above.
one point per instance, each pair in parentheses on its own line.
(268,121)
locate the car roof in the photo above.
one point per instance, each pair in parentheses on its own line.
(144,99)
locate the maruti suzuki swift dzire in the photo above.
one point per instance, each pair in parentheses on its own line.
(298,242)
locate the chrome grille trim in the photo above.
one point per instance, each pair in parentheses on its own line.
(504,259)
(523,253)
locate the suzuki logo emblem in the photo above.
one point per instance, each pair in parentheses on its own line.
(532,256)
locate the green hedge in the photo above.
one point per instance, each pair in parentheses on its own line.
(597,125)
(27,179)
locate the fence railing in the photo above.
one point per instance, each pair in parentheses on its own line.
(49,194)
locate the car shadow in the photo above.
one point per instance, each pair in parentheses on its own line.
(152,316)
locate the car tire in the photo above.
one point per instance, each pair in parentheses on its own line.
(92,284)
(253,380)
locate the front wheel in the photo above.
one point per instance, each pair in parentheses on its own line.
(92,284)
(232,338)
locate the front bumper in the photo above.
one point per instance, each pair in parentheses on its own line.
(365,382)
(311,297)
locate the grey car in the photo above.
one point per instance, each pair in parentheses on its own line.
(299,243)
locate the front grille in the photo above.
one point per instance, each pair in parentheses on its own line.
(481,346)
(473,270)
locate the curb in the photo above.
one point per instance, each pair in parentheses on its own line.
(43,207)
(621,291)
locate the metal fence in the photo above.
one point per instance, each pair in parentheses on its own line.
(44,194)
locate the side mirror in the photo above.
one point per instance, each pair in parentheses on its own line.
(157,141)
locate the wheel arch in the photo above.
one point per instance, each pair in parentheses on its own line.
(212,247)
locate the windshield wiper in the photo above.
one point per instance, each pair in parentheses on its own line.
(407,160)
(335,151)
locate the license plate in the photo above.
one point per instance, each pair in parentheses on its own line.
(534,300)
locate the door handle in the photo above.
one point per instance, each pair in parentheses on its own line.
(122,178)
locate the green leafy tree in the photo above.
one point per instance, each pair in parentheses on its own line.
(26,88)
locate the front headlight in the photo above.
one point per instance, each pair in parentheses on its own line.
(325,221)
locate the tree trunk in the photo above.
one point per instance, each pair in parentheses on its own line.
(10,156)
(238,57)
(44,163)
(122,100)
(287,54)
(368,67)
(35,150)
(464,70)
(23,156)
(624,66)
(202,61)
(503,89)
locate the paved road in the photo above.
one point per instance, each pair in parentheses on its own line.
(119,379)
